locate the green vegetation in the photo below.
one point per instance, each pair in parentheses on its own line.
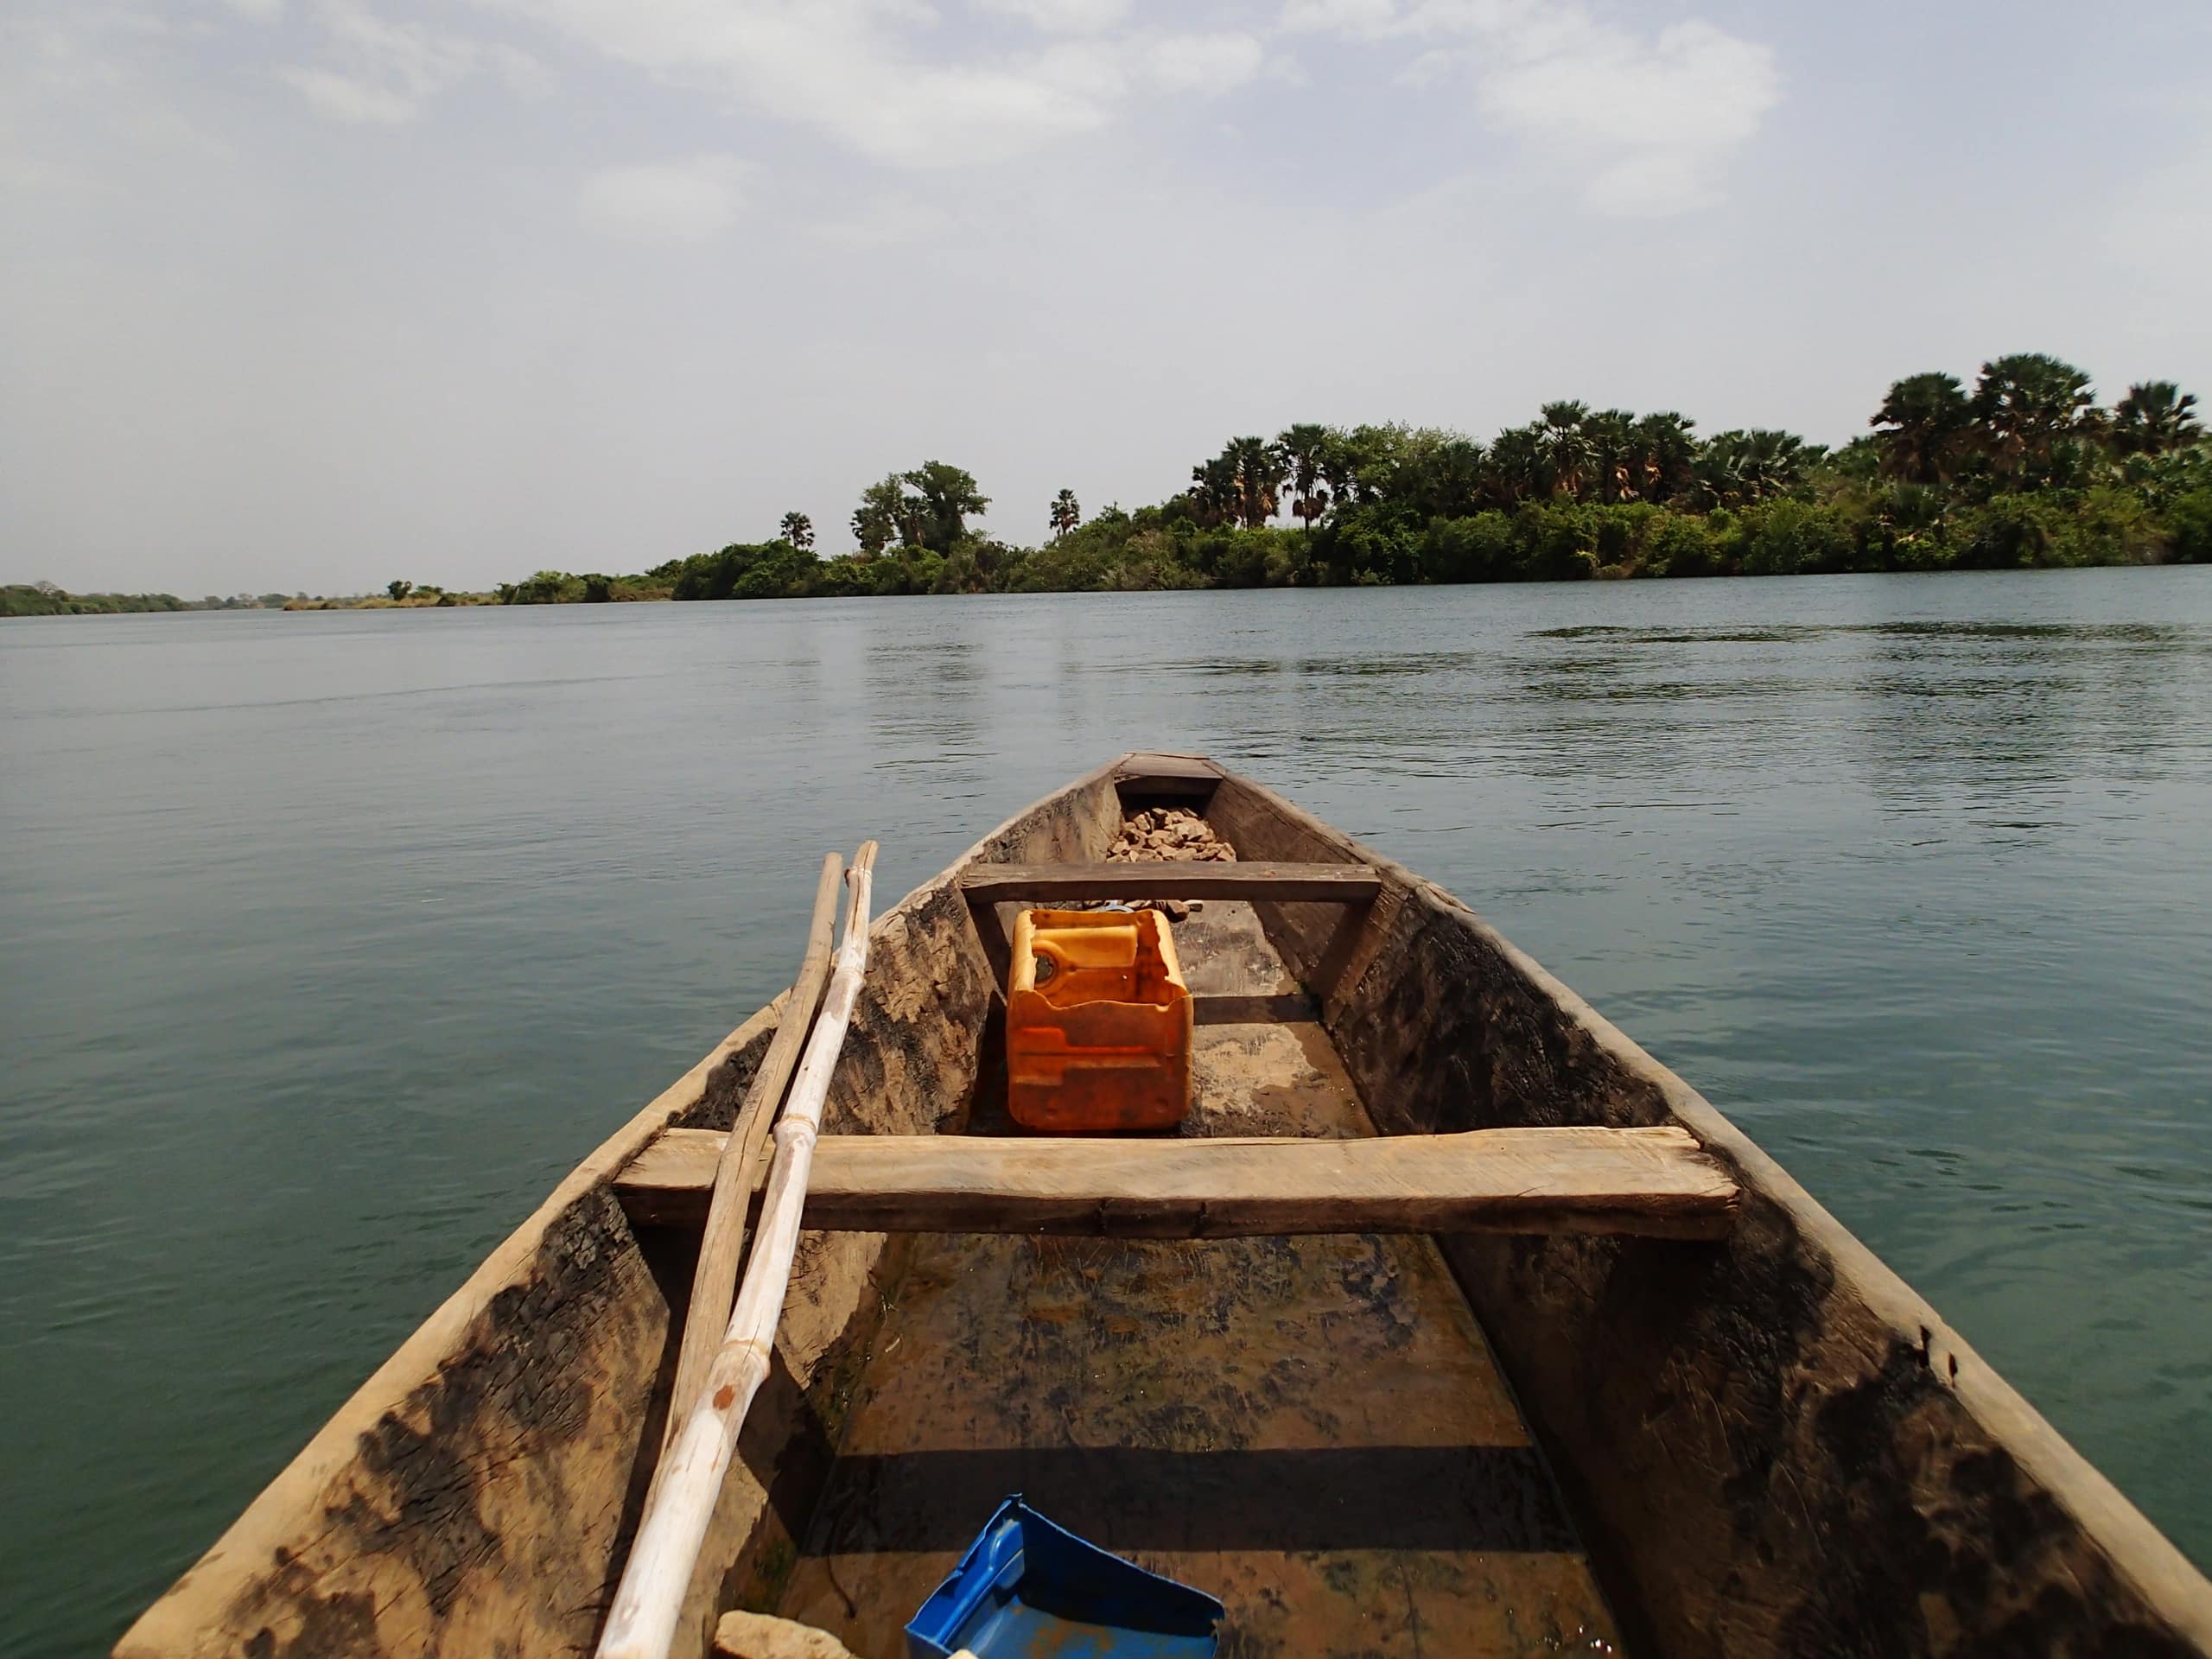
(559,587)
(2024,469)
(397,596)
(44,598)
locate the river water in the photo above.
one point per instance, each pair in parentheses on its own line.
(332,940)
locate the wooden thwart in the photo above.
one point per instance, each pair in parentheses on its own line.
(1281,883)
(1650,1182)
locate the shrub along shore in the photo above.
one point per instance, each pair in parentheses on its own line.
(2024,469)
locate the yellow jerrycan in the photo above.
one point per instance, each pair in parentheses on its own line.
(1097,1022)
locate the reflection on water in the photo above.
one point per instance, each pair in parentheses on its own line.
(335,938)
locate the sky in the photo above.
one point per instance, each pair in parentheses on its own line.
(308,295)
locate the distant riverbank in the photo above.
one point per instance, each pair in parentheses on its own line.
(2026,470)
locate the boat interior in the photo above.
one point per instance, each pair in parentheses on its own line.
(1309,1427)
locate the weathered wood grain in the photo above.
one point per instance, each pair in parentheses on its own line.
(721,1246)
(1043,883)
(1651,1183)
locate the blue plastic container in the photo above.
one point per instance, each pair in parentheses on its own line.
(1027,1589)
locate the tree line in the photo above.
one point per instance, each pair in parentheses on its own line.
(2023,468)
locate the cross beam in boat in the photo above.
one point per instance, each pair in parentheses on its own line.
(987,884)
(1648,1182)
(986,887)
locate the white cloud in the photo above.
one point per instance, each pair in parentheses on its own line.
(1648,122)
(379,71)
(839,66)
(667,203)
(858,70)
(1660,116)
(347,97)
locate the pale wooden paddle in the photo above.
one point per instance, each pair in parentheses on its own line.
(641,1622)
(721,1246)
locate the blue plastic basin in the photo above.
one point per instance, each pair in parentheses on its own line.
(1028,1589)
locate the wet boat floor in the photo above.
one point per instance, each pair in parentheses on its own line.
(1312,1429)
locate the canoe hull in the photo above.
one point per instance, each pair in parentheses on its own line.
(1771,1444)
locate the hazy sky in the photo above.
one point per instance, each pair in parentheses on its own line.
(310,294)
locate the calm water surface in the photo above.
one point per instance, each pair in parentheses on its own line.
(330,941)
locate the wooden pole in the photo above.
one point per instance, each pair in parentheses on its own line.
(721,1247)
(641,1623)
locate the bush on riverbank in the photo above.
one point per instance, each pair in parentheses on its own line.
(44,598)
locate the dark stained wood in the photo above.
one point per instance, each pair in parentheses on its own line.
(1289,1007)
(1649,1183)
(1165,777)
(985,884)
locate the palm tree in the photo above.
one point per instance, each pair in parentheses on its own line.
(799,529)
(1519,465)
(1242,485)
(1066,513)
(1924,422)
(2155,418)
(1259,467)
(1566,445)
(1310,452)
(2027,404)
(1213,490)
(1610,435)
(1736,468)
(1666,455)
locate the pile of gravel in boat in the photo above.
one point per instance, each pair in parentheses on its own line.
(1169,834)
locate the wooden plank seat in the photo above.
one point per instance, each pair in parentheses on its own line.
(986,887)
(985,884)
(1648,1182)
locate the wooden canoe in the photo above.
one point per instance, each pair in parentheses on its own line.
(1521,1347)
